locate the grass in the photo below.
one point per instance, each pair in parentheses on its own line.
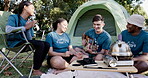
(24,69)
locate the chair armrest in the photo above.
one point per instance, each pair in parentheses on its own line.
(21,31)
(16,31)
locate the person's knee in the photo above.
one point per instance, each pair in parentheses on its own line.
(142,66)
(58,62)
(99,57)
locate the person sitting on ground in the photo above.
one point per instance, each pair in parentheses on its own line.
(21,21)
(61,52)
(96,41)
(137,39)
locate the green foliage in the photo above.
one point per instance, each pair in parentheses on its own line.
(42,13)
(49,11)
(146,21)
(132,6)
(1,6)
(74,4)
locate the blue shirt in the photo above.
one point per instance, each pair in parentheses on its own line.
(14,39)
(103,39)
(60,43)
(138,43)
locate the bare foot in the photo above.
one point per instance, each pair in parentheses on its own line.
(37,72)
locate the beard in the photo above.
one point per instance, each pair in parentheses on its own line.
(130,30)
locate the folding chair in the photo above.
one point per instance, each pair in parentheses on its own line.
(24,48)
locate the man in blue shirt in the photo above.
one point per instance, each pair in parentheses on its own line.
(137,39)
(98,38)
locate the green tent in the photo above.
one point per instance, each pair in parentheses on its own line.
(114,15)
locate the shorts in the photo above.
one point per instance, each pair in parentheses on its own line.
(67,59)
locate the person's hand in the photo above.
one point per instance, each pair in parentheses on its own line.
(94,52)
(79,55)
(30,24)
(99,57)
(91,52)
(67,54)
(83,42)
(135,59)
(102,52)
(87,48)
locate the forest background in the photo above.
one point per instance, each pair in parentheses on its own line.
(47,11)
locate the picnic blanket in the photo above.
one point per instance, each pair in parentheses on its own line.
(84,74)
(90,74)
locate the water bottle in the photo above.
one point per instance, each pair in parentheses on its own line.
(110,61)
(33,17)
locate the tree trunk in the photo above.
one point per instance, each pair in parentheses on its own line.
(6,5)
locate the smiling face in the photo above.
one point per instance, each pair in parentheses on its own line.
(98,26)
(29,9)
(131,28)
(63,26)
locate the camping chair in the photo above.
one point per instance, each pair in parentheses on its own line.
(24,48)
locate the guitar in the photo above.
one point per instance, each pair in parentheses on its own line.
(90,45)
